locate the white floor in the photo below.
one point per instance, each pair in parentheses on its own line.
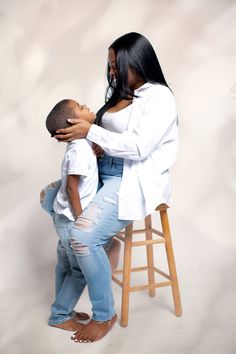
(207,283)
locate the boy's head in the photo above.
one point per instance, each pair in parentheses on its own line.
(57,118)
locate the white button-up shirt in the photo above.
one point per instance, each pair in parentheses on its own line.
(149,149)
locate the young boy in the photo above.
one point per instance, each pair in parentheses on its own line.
(79,182)
(64,200)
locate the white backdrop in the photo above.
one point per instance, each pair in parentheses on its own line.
(55,49)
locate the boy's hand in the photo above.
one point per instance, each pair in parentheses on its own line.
(97,150)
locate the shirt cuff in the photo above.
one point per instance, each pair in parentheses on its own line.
(95,134)
(78,173)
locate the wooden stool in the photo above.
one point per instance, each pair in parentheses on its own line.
(164,236)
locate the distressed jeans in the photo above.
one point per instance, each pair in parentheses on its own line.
(69,280)
(92,232)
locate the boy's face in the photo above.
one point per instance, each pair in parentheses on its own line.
(83,112)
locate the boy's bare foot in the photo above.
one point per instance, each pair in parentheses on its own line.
(80,316)
(93,331)
(69,325)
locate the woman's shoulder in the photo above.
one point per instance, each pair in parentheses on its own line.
(149,90)
(155,95)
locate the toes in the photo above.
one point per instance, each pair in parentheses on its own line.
(89,339)
(79,337)
(83,337)
(75,335)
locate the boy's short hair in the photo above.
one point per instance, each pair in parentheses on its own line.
(57,118)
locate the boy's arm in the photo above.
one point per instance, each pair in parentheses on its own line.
(73,194)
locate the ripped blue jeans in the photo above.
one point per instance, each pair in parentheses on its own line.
(69,280)
(93,231)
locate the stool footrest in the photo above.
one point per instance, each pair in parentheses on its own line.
(148,242)
(121,235)
(142,243)
(153,286)
(137,269)
(161,272)
(140,269)
(154,231)
(142,287)
(117,281)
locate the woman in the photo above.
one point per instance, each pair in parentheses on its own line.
(137,131)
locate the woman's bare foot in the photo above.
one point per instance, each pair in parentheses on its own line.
(80,316)
(69,325)
(93,331)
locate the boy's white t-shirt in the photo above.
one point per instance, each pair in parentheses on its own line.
(80,160)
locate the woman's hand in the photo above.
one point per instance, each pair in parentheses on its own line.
(78,130)
(97,150)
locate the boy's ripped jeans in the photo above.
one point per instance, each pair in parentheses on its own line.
(69,280)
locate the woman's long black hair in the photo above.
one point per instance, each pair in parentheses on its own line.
(133,52)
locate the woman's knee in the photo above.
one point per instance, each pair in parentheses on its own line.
(79,247)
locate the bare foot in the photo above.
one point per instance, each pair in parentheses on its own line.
(69,325)
(80,316)
(93,331)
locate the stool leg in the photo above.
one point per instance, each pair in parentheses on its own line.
(126,275)
(149,249)
(171,262)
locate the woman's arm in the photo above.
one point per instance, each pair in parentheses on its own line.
(156,121)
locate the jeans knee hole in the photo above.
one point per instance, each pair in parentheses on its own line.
(79,248)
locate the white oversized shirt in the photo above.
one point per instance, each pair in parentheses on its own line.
(79,160)
(148,146)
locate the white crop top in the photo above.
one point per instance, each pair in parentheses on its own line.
(117,122)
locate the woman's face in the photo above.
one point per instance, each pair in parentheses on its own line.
(133,80)
(112,63)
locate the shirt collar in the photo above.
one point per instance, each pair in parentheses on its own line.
(143,87)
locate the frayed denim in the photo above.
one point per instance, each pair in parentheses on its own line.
(85,240)
(92,231)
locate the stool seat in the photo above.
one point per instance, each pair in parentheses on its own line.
(162,236)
